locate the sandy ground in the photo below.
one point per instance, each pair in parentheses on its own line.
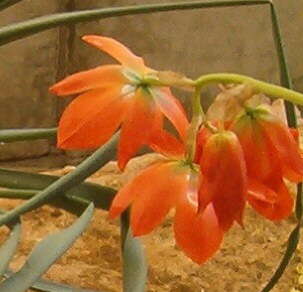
(244,263)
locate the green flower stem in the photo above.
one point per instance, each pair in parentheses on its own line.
(261,86)
(13,135)
(197,118)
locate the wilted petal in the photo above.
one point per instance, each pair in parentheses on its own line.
(175,79)
(91,119)
(100,77)
(172,109)
(116,50)
(224,178)
(229,103)
(278,110)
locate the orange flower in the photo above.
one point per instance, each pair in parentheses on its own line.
(271,153)
(224,182)
(115,95)
(157,189)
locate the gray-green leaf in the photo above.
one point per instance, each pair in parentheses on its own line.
(45,254)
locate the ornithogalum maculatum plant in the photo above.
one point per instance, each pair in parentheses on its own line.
(238,152)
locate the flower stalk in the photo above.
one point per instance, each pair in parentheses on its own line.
(260,86)
(198,116)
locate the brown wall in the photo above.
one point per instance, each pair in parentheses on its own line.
(194,42)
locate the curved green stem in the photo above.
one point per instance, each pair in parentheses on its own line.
(264,87)
(197,118)
(19,30)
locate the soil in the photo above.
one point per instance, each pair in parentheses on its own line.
(245,262)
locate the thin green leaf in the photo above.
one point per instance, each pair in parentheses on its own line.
(298,208)
(17,193)
(292,244)
(24,185)
(7,3)
(134,262)
(49,286)
(26,28)
(294,237)
(14,135)
(45,254)
(291,248)
(65,183)
(25,180)
(8,248)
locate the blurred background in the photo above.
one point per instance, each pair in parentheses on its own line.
(194,42)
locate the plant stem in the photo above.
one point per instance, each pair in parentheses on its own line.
(197,118)
(19,30)
(261,86)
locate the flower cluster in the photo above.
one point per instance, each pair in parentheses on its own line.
(240,155)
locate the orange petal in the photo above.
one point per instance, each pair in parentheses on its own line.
(91,119)
(258,191)
(280,209)
(132,189)
(117,50)
(136,128)
(166,144)
(100,77)
(163,142)
(286,149)
(199,235)
(172,109)
(202,137)
(295,133)
(224,178)
(154,191)
(260,158)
